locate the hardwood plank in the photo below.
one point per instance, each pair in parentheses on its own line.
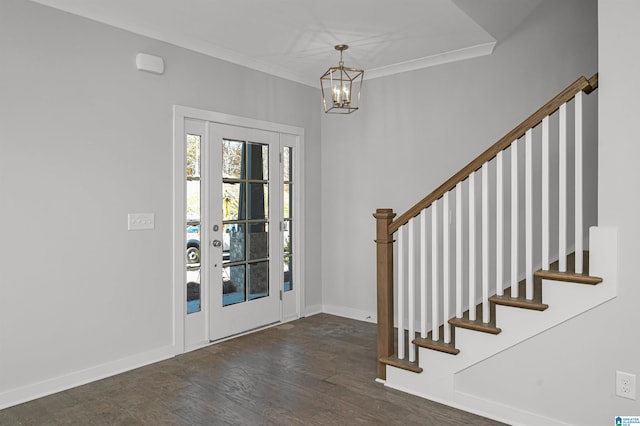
(319,371)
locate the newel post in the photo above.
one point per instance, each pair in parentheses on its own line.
(384,264)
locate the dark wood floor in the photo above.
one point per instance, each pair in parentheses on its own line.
(314,371)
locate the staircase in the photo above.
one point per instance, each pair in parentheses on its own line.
(476,266)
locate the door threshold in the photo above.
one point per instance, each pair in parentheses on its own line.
(253,330)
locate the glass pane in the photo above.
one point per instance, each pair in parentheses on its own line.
(193,155)
(286,233)
(192,230)
(193,199)
(232,206)
(193,243)
(288,274)
(258,280)
(258,201)
(193,292)
(258,241)
(233,285)
(233,242)
(287,158)
(258,162)
(232,158)
(287,200)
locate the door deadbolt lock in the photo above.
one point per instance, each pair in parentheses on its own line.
(216,243)
(216,227)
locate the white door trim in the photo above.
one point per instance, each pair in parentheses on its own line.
(180,113)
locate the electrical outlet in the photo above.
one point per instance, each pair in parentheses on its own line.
(626,385)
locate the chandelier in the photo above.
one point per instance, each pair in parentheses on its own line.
(341,87)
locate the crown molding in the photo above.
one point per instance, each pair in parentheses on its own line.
(431,61)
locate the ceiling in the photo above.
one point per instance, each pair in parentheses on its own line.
(294,39)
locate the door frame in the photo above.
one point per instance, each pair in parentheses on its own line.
(180,113)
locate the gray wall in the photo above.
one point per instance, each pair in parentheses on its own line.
(85,138)
(571,368)
(417,129)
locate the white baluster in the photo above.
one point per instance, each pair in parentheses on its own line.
(459,250)
(514,220)
(485,243)
(446,267)
(411,292)
(545,193)
(472,247)
(435,285)
(423,274)
(578,184)
(562,191)
(499,225)
(401,292)
(529,213)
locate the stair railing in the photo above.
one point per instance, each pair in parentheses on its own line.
(434,328)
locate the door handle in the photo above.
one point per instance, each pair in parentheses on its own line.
(216,243)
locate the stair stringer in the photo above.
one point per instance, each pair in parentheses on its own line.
(565,300)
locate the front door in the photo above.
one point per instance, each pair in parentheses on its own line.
(244,199)
(237,225)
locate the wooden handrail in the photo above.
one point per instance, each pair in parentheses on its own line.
(581,84)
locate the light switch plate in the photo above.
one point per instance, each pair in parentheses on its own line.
(139,221)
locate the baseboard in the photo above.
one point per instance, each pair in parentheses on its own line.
(312,310)
(487,408)
(77,378)
(356,314)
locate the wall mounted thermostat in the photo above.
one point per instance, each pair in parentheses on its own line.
(150,63)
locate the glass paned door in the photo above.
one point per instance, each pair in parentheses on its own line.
(238,216)
(244,293)
(245,221)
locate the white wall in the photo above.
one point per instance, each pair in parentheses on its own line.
(571,368)
(416,129)
(85,138)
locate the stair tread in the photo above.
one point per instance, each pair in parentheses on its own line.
(521,301)
(404,364)
(505,300)
(438,345)
(553,273)
(477,324)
